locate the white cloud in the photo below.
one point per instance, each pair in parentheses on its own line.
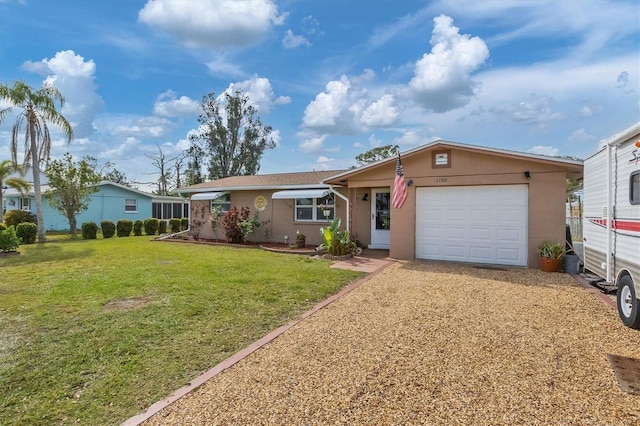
(323,159)
(291,41)
(220,66)
(442,78)
(213,23)
(536,111)
(544,150)
(74,78)
(144,127)
(313,145)
(346,107)
(168,105)
(580,137)
(259,91)
(381,113)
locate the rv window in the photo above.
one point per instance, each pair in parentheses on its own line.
(634,188)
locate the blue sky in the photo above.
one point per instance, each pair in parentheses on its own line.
(334,78)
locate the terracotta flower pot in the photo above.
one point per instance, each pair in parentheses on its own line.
(548,264)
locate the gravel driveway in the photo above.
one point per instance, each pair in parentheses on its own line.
(433,343)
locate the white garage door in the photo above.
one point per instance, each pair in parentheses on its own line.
(478,224)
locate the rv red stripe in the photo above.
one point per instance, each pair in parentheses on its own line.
(620,225)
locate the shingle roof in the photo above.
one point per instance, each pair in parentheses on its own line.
(270,181)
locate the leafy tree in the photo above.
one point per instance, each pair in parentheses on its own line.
(71,187)
(107,171)
(231,135)
(377,154)
(36,108)
(7,168)
(116,176)
(196,156)
(164,166)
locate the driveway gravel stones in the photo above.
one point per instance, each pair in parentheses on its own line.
(433,343)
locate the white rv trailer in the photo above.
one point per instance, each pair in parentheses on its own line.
(611,219)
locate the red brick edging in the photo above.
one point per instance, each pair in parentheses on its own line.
(198,381)
(596,292)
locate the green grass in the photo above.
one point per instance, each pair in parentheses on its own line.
(66,358)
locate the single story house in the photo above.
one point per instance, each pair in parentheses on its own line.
(112,202)
(464,203)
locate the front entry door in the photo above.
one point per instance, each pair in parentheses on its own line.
(380,218)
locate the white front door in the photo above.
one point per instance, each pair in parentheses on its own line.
(380,218)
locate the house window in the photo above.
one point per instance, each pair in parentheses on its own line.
(634,188)
(315,209)
(130,205)
(25,204)
(222,203)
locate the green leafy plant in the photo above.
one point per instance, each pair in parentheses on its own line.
(301,240)
(14,217)
(551,250)
(27,232)
(2,226)
(184,223)
(151,226)
(89,230)
(174,225)
(231,221)
(162,226)
(137,228)
(108,228)
(9,241)
(124,227)
(337,242)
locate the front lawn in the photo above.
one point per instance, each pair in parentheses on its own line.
(95,331)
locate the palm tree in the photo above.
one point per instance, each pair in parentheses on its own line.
(36,108)
(7,168)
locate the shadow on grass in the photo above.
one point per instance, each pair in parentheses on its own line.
(44,252)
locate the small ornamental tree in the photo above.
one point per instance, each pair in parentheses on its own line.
(14,217)
(71,185)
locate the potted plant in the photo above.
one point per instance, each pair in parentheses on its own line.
(550,256)
(301,240)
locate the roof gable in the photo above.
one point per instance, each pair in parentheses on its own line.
(574,165)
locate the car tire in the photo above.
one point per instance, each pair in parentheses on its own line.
(628,303)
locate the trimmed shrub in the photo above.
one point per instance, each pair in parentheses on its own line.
(9,240)
(27,232)
(231,222)
(2,226)
(89,230)
(151,226)
(174,225)
(124,227)
(108,229)
(137,228)
(184,223)
(162,227)
(14,217)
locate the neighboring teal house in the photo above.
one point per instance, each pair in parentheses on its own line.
(112,202)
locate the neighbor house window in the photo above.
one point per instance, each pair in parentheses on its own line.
(25,204)
(634,188)
(222,203)
(130,205)
(315,209)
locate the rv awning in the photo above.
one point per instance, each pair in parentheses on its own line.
(207,195)
(300,193)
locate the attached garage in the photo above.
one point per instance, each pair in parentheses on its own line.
(478,224)
(464,203)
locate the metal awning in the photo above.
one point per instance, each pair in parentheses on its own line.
(300,193)
(207,195)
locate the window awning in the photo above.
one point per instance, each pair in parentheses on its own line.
(300,193)
(207,195)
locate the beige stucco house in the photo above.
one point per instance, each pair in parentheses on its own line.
(464,203)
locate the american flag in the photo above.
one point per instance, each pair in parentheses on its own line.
(399,187)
